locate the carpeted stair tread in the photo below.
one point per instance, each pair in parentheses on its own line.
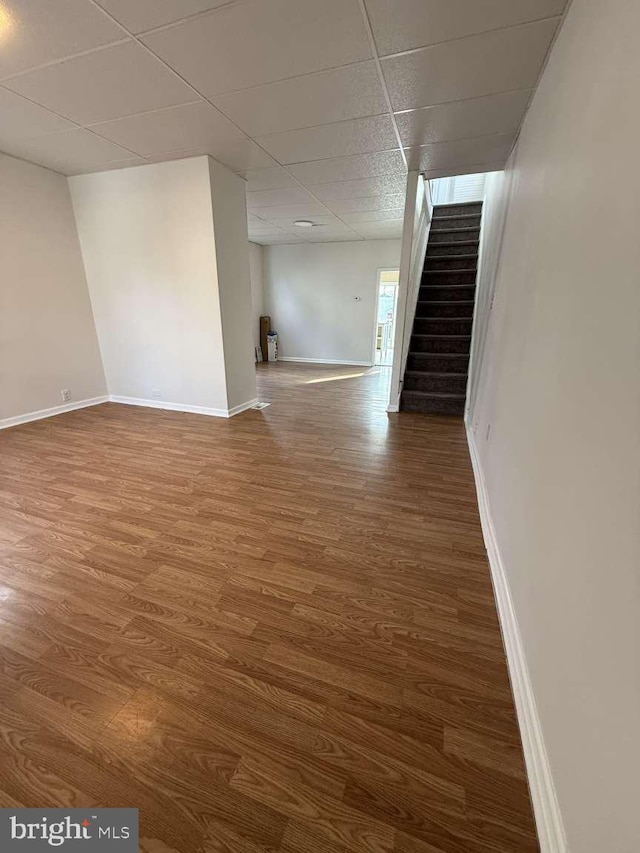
(446,292)
(457,272)
(446,302)
(444,217)
(458,256)
(435,382)
(435,396)
(461,309)
(431,373)
(440,344)
(456,243)
(443,337)
(461,206)
(466,277)
(465,230)
(442,326)
(446,362)
(438,395)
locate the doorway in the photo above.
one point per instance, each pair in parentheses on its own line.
(386,308)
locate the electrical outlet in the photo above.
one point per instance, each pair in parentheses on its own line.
(155,392)
(66,395)
(486,438)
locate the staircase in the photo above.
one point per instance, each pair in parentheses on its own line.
(435,379)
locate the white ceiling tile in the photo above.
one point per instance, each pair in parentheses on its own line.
(356,136)
(264,230)
(473,169)
(360,203)
(339,237)
(500,113)
(178,155)
(240,155)
(251,43)
(265,198)
(353,91)
(374,215)
(389,230)
(380,185)
(38,31)
(499,61)
(404,24)
(71,151)
(144,15)
(462,152)
(383,225)
(20,118)
(274,178)
(109,167)
(349,168)
(265,240)
(181,128)
(106,84)
(292,211)
(324,220)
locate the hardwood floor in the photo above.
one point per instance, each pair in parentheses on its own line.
(273,633)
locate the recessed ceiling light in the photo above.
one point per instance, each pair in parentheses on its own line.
(304,223)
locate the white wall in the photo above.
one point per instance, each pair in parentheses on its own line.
(310,293)
(257,290)
(228,195)
(497,192)
(148,246)
(47,335)
(561,392)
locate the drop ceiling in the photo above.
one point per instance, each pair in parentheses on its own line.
(321,105)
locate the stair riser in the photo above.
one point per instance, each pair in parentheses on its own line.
(455,222)
(453,263)
(446,277)
(445,236)
(454,209)
(440,345)
(431,407)
(427,326)
(447,294)
(440,384)
(437,363)
(462,310)
(436,251)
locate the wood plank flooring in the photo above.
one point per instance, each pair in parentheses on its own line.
(273,633)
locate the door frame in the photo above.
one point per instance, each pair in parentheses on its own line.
(375,311)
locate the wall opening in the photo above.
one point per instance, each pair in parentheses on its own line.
(386,310)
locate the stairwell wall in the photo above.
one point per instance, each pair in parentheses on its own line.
(557,418)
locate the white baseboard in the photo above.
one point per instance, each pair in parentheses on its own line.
(543,795)
(325,361)
(183,407)
(394,405)
(5,423)
(235,410)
